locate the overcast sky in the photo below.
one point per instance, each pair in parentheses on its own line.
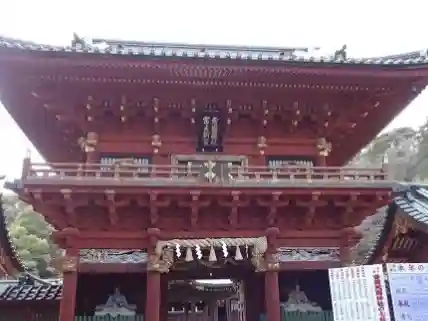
(369,28)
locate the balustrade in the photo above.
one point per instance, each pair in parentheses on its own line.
(205,173)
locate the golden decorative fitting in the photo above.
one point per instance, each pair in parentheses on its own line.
(69,263)
(324,147)
(402,226)
(161,265)
(229,106)
(156,140)
(258,261)
(266,262)
(262,142)
(88,144)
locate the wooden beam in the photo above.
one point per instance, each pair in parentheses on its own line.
(100,268)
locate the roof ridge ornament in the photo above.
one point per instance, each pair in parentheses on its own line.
(341,53)
(77,40)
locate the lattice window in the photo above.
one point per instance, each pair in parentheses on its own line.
(108,162)
(284,161)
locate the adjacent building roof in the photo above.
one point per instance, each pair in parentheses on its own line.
(29,288)
(413,202)
(175,50)
(409,201)
(10,263)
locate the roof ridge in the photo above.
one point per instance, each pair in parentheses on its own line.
(149,50)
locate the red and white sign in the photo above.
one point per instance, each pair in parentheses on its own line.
(358,293)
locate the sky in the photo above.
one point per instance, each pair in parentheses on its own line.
(369,28)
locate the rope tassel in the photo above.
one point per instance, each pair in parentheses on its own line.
(212,257)
(238,254)
(177,250)
(198,252)
(189,255)
(224,248)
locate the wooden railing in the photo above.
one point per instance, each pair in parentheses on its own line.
(200,174)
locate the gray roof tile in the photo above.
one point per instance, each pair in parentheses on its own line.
(414,202)
(213,52)
(371,229)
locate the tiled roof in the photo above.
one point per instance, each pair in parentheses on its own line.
(184,51)
(373,230)
(31,290)
(410,200)
(8,250)
(414,202)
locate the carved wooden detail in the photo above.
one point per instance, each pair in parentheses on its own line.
(402,225)
(69,263)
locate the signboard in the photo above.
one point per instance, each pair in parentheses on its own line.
(210,130)
(408,283)
(358,293)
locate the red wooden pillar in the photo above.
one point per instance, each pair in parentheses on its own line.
(153,296)
(272,299)
(69,285)
(164,298)
(153,291)
(273,310)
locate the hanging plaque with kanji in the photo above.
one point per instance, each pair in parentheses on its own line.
(210,132)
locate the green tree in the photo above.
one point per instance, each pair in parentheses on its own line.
(404,149)
(30,234)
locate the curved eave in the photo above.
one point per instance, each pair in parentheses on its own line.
(12,263)
(368,128)
(374,231)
